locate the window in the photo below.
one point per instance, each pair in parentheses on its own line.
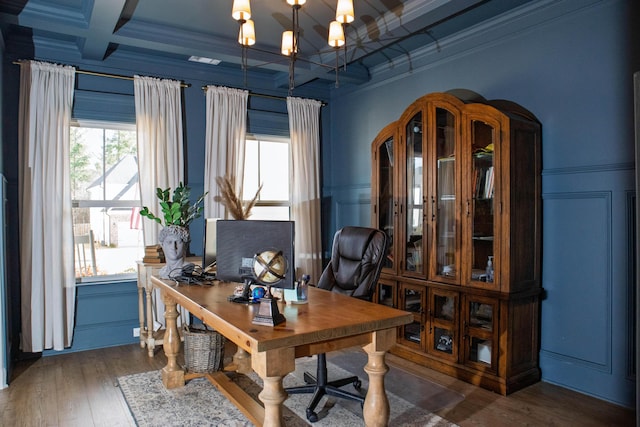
(106,200)
(267,161)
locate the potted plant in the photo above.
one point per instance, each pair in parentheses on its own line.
(177,209)
(178,212)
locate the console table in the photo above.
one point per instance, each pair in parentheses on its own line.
(330,321)
(148,337)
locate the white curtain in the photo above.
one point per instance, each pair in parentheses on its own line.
(304,127)
(160,148)
(46,227)
(225,143)
(160,153)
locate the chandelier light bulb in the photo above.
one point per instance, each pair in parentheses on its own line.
(241,10)
(287,43)
(247,36)
(344,11)
(296,2)
(336,34)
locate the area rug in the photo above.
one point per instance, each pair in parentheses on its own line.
(199,403)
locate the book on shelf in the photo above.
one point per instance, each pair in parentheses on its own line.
(488,187)
(153,259)
(483,183)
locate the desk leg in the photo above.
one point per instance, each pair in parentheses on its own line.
(241,362)
(172,374)
(149,329)
(272,366)
(141,313)
(376,405)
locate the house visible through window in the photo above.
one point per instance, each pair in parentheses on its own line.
(106,200)
(267,162)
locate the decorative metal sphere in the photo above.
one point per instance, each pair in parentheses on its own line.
(270,266)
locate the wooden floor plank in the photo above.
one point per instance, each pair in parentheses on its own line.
(80,389)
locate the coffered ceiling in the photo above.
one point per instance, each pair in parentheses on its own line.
(383,30)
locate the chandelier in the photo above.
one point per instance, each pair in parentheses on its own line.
(241,12)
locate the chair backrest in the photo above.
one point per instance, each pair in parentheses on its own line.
(356,261)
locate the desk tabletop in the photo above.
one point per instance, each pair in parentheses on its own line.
(327,316)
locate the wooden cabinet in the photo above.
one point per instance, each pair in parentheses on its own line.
(456,187)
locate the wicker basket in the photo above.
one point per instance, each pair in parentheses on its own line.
(203,349)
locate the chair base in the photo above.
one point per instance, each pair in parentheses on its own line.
(320,387)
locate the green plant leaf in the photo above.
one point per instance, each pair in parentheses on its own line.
(176,207)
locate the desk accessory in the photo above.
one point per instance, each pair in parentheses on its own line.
(269,268)
(298,295)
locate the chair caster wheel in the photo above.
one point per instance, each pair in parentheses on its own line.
(357,384)
(312,416)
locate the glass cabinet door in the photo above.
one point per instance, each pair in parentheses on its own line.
(483,260)
(412,299)
(443,323)
(443,202)
(386,209)
(480,332)
(386,293)
(414,216)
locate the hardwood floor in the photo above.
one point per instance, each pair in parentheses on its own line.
(80,389)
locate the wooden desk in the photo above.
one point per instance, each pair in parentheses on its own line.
(330,321)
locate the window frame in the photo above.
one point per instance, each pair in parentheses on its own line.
(107,204)
(271,203)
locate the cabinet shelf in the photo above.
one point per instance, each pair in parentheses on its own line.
(484,155)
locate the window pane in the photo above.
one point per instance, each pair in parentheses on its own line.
(251,169)
(274,170)
(104,179)
(267,163)
(270,213)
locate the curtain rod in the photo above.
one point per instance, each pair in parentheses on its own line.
(262,95)
(113,76)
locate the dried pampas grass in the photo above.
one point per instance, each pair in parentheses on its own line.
(236,207)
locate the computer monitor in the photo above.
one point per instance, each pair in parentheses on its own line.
(209,243)
(238,241)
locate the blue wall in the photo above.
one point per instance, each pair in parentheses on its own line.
(108,312)
(571,64)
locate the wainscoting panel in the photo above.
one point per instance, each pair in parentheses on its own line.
(577,282)
(106,314)
(587,341)
(631,294)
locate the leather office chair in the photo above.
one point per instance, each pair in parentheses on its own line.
(354,269)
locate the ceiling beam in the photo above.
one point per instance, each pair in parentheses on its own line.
(391,26)
(104,18)
(354,74)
